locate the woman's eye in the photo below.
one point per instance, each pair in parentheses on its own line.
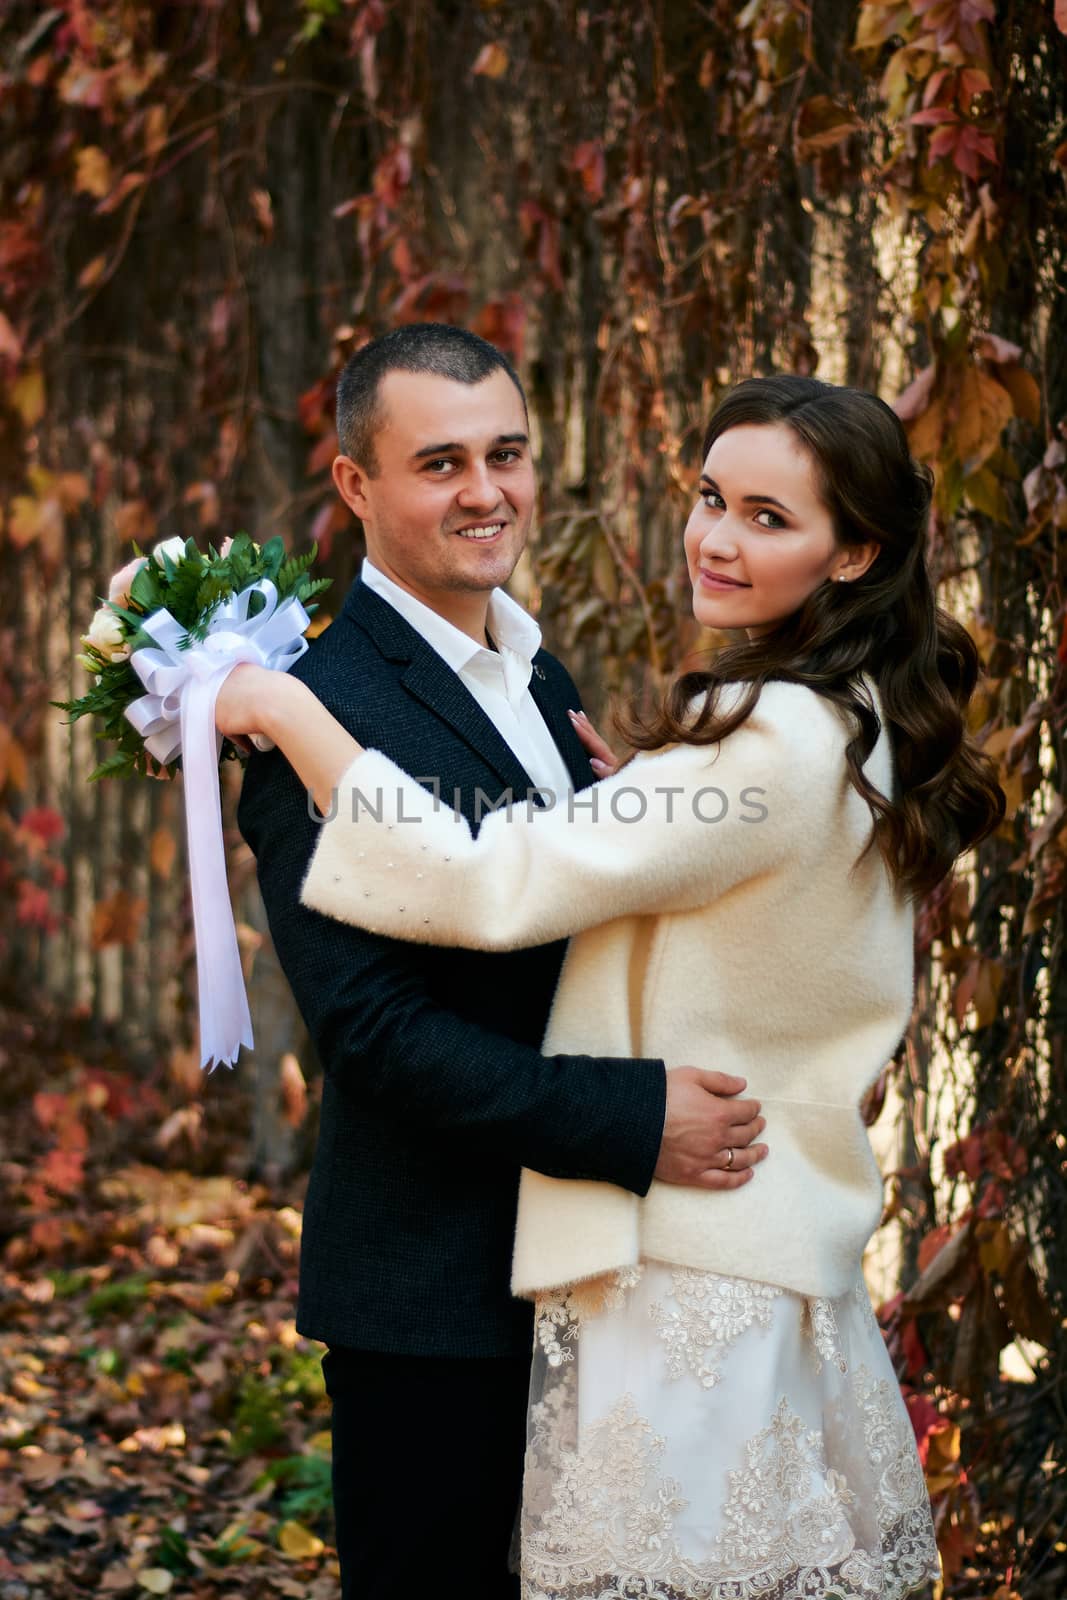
(775,521)
(713,500)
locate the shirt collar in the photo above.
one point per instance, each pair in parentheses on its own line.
(511,628)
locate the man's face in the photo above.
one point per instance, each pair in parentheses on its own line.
(448,511)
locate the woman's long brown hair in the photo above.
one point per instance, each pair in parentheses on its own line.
(885,624)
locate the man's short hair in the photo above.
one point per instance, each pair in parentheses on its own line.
(431,347)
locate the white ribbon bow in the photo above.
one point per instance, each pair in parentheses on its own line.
(177,717)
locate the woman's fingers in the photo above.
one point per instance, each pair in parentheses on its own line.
(602,757)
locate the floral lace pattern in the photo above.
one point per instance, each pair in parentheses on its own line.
(709,1314)
(823,1325)
(817,1491)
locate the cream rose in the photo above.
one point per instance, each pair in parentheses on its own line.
(105,635)
(175,548)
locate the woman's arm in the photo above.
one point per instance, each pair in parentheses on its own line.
(669,832)
(255,700)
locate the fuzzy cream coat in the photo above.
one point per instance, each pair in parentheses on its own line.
(728,926)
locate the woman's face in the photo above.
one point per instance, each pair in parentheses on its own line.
(760,540)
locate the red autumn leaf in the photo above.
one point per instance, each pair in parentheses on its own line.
(331,517)
(63,1170)
(588,162)
(315,406)
(933,83)
(943,141)
(33,908)
(972,148)
(935,115)
(50,1109)
(323,453)
(44,823)
(925,1420)
(913,1349)
(503,323)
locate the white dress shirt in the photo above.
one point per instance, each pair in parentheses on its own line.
(498,679)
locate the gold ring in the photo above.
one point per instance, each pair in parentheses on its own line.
(729,1159)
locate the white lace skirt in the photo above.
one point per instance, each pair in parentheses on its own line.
(696,1437)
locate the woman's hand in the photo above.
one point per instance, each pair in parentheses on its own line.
(256,702)
(247,701)
(602,757)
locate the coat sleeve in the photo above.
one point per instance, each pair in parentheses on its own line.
(670,832)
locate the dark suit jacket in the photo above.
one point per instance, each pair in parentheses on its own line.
(435,1090)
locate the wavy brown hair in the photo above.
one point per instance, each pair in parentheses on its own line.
(885,624)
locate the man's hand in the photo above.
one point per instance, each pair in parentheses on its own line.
(704,1122)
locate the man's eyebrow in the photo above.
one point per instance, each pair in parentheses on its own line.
(748,499)
(454,449)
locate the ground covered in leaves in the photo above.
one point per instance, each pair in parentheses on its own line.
(163,1428)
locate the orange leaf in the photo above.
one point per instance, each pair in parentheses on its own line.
(162,851)
(73,490)
(985,411)
(117,920)
(92,273)
(492,61)
(13,765)
(93,171)
(1025,394)
(27,396)
(155,129)
(24,520)
(294,1091)
(126,185)
(134,520)
(10,343)
(821,124)
(926,432)
(299,1542)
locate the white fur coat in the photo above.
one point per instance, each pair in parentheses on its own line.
(720,920)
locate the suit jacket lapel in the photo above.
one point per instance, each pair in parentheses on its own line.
(439,688)
(559,725)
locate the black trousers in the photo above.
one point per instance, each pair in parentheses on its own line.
(427,1473)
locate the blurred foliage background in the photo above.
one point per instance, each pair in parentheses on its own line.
(204,207)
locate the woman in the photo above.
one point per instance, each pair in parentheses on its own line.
(714,1416)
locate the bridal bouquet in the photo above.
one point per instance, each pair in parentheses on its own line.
(175,623)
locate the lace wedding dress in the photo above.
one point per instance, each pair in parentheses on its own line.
(697,1437)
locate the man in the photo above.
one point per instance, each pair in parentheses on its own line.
(435,1091)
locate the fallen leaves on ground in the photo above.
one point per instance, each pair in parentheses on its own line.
(163,1427)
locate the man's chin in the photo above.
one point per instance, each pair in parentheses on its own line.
(489,567)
